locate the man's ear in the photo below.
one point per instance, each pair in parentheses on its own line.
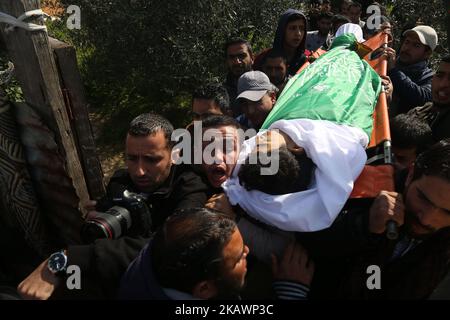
(273,97)
(296,150)
(205,290)
(428,53)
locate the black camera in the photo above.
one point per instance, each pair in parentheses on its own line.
(128,214)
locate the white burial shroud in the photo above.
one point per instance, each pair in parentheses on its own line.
(338,151)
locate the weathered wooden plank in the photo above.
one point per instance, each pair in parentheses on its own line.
(37,73)
(77,106)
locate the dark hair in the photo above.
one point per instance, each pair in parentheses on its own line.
(216,92)
(295,17)
(409,131)
(234,41)
(274,54)
(293,175)
(325,15)
(188,248)
(434,162)
(355,4)
(344,1)
(215,121)
(150,123)
(337,18)
(373,30)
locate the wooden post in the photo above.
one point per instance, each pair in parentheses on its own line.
(38,75)
(77,106)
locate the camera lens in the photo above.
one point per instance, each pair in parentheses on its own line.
(110,224)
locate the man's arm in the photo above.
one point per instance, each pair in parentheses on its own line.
(412,93)
(357,228)
(293,273)
(190,192)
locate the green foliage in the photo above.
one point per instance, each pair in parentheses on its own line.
(407,14)
(11,87)
(146,55)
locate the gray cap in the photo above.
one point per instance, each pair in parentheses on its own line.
(427,35)
(253,85)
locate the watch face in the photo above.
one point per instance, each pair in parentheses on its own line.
(57,262)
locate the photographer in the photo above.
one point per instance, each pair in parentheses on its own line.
(150,175)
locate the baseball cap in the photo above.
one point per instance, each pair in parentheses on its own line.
(427,35)
(253,85)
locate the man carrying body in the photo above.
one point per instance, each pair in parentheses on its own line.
(409,71)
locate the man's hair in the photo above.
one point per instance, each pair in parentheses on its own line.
(325,15)
(149,124)
(345,1)
(215,121)
(355,4)
(337,18)
(434,162)
(234,41)
(216,92)
(274,54)
(409,131)
(188,248)
(293,175)
(295,17)
(373,29)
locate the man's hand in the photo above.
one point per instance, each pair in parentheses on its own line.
(39,285)
(388,88)
(387,206)
(90,205)
(220,202)
(391,56)
(294,265)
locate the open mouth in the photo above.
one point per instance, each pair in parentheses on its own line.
(218,171)
(218,175)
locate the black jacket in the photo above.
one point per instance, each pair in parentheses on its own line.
(139,282)
(104,261)
(412,86)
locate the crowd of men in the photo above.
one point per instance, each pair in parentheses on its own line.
(192,243)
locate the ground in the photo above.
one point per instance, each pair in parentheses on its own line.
(110,155)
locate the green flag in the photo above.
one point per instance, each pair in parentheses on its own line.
(339,86)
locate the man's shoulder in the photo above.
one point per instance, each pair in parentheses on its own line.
(188,174)
(120,174)
(120,177)
(423,112)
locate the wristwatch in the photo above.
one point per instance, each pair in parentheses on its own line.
(57,263)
